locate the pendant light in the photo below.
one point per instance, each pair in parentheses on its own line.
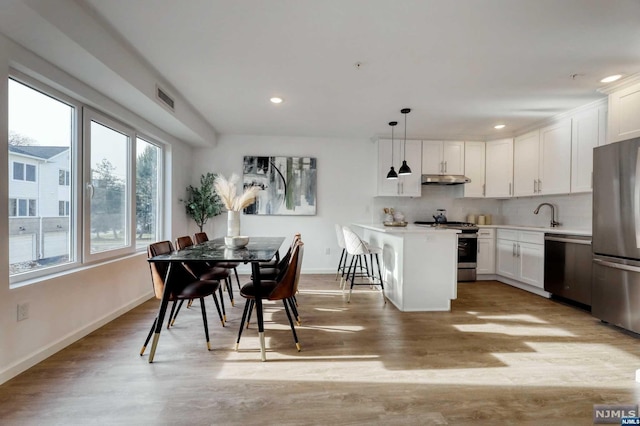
(405,169)
(392,173)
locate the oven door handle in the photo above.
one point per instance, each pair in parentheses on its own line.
(468,236)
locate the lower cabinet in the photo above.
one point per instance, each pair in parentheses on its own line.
(486,252)
(520,256)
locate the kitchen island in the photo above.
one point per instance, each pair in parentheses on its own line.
(419,265)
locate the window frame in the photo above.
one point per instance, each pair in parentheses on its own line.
(79,161)
(75,153)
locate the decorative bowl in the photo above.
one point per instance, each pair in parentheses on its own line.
(236,242)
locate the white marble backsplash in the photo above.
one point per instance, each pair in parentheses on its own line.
(573,210)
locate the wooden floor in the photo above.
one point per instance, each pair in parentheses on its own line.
(501,356)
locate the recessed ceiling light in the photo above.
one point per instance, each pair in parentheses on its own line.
(499,126)
(611,78)
(276,100)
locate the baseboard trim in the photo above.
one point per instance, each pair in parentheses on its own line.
(34,358)
(523,286)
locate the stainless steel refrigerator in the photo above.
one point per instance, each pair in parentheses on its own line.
(616,234)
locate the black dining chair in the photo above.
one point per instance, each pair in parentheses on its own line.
(183,286)
(201,237)
(282,289)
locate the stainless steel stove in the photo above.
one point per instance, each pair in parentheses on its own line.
(467,246)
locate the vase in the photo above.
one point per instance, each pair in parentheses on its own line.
(233,223)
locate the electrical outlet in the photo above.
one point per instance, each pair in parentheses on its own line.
(23,311)
(327,251)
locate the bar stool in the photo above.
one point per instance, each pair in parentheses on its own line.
(342,264)
(359,250)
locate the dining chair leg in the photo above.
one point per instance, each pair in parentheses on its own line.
(173,320)
(245,312)
(293,329)
(146,342)
(190,303)
(215,300)
(224,313)
(204,320)
(173,309)
(251,305)
(227,282)
(260,329)
(294,309)
(235,271)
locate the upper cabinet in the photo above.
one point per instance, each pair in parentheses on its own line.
(624,114)
(499,176)
(474,166)
(442,158)
(588,132)
(542,161)
(555,158)
(525,164)
(404,186)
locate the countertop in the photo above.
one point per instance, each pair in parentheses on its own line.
(545,229)
(409,229)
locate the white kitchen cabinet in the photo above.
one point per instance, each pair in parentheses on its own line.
(442,157)
(555,158)
(486,251)
(542,161)
(624,114)
(525,164)
(474,166)
(588,132)
(404,186)
(520,256)
(499,174)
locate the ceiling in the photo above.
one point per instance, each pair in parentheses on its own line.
(345,68)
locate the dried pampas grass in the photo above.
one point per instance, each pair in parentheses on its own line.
(227,190)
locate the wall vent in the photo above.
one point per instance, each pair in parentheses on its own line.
(164,98)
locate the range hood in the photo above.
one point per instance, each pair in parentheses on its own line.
(444,179)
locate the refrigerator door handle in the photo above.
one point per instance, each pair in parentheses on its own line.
(617,265)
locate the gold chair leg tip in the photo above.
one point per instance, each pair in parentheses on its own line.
(298,347)
(237,345)
(142,350)
(224,317)
(208,346)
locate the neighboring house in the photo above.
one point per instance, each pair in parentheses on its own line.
(39,202)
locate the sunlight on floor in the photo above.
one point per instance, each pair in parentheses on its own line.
(515,317)
(513,330)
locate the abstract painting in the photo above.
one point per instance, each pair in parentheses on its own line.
(288,185)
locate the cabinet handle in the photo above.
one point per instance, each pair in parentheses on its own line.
(509,188)
(535,186)
(518,251)
(484,189)
(442,167)
(513,250)
(539,186)
(445,167)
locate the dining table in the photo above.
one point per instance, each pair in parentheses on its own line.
(259,249)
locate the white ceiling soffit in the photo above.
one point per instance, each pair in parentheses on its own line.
(67,35)
(461,65)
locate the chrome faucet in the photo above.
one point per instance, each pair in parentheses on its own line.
(553,214)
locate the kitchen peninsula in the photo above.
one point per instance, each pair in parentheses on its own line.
(419,265)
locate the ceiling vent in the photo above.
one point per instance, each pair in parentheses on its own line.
(164,98)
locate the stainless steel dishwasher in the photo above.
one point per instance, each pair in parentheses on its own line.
(567,267)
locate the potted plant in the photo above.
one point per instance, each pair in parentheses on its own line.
(203,203)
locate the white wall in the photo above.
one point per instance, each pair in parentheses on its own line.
(346,184)
(66,307)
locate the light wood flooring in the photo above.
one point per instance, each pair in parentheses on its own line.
(501,356)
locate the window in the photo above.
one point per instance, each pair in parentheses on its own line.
(42,132)
(23,171)
(63,208)
(106,201)
(63,178)
(22,207)
(147,189)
